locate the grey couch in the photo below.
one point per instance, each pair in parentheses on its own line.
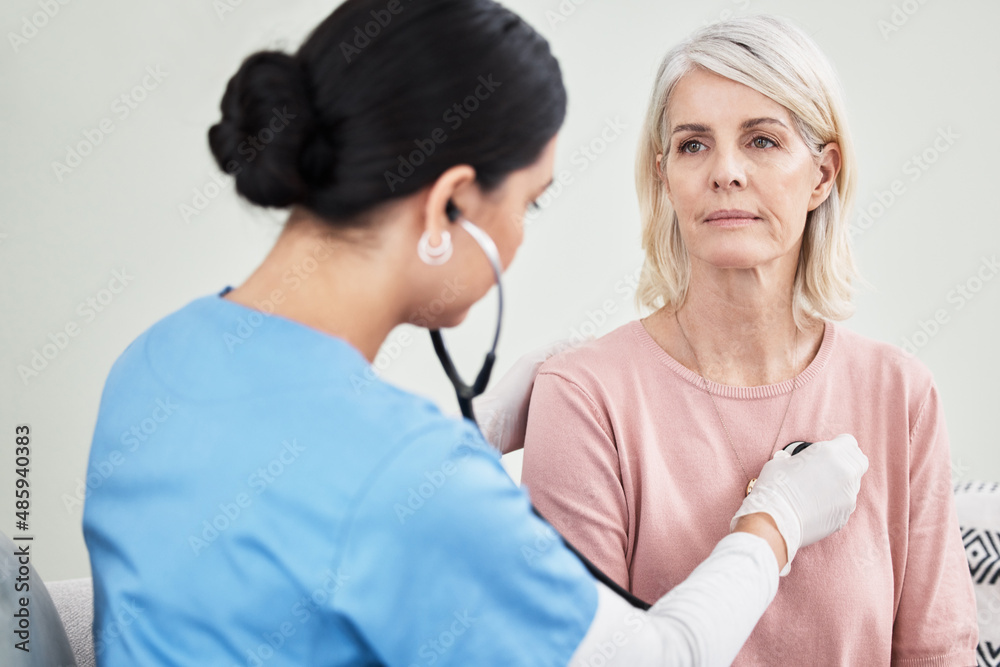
(74,600)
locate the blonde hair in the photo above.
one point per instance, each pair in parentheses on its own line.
(778,60)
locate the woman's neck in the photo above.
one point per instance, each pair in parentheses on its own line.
(739,327)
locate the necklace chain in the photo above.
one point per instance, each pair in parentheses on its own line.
(711,396)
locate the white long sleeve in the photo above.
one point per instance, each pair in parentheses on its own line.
(703,621)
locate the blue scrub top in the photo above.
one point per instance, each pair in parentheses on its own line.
(257,496)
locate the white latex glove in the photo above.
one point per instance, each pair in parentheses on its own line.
(809,495)
(502,411)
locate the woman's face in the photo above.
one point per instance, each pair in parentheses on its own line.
(738,174)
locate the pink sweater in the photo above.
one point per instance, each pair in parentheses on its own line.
(625,455)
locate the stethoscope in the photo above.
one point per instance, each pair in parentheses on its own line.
(466,392)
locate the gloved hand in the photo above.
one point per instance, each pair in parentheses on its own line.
(809,495)
(502,411)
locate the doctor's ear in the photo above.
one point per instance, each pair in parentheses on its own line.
(439,210)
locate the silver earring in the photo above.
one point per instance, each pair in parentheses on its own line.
(434,255)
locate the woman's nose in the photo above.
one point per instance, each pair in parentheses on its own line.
(728,170)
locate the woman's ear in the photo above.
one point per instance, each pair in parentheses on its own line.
(828,169)
(450,188)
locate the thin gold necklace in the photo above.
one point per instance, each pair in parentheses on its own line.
(701,374)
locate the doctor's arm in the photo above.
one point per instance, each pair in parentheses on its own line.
(441,533)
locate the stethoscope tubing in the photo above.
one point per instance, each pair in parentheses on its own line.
(466,393)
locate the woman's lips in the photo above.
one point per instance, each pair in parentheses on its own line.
(731,218)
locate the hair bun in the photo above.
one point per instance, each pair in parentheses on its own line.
(267,123)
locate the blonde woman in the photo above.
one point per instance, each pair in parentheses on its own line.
(745,176)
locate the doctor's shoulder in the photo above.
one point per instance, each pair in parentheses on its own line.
(132,366)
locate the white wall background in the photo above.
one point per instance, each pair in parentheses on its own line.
(911,70)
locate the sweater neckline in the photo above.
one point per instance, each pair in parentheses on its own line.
(731,391)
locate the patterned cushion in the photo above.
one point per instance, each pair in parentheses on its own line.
(978,505)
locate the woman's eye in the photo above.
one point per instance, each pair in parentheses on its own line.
(534,207)
(684,148)
(757,142)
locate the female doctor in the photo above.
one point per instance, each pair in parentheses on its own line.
(273,501)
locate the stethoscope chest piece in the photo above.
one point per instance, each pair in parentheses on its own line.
(794,448)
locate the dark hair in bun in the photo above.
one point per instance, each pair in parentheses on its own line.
(382,98)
